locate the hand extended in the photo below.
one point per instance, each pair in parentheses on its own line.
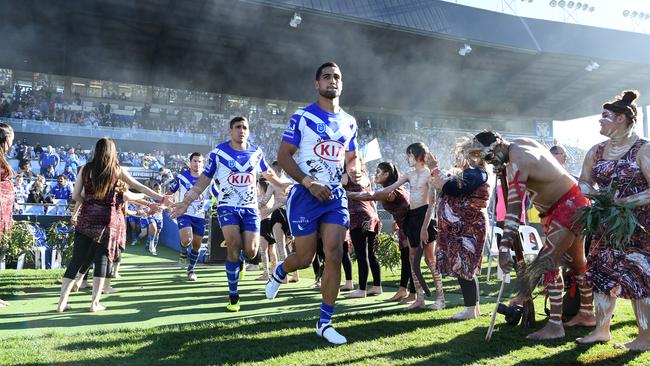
(431,160)
(178,209)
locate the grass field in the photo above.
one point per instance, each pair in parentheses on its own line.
(160,318)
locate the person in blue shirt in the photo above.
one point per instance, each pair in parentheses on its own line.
(236,165)
(61,190)
(69,172)
(319,141)
(48,158)
(72,160)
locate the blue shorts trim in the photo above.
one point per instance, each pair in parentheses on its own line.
(196,223)
(305,212)
(248,219)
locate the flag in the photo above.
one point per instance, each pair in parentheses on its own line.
(370,151)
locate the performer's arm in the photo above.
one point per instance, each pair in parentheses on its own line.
(286,161)
(586,181)
(424,231)
(353,166)
(380,195)
(126,177)
(77,194)
(642,198)
(267,195)
(517,178)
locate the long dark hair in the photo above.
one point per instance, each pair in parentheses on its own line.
(5,132)
(391,169)
(104,169)
(418,150)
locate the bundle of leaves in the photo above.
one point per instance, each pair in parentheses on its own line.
(21,239)
(613,222)
(387,251)
(60,236)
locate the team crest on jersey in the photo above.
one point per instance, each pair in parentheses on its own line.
(320,127)
(231,164)
(241,179)
(330,150)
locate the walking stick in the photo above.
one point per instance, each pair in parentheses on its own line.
(528,315)
(506,279)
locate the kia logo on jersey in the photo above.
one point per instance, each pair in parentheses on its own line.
(330,150)
(240,179)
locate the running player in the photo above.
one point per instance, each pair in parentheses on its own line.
(235,164)
(191,224)
(322,137)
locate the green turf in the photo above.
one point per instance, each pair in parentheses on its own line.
(160,318)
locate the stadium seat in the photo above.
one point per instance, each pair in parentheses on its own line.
(492,243)
(530,240)
(39,257)
(33,210)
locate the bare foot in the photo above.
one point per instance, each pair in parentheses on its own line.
(75,287)
(638,344)
(60,309)
(3,304)
(466,314)
(477,311)
(399,295)
(595,335)
(550,331)
(418,304)
(585,320)
(356,294)
(97,307)
(83,285)
(438,305)
(347,287)
(109,290)
(375,290)
(407,300)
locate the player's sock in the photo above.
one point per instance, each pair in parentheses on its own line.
(243,258)
(326,312)
(232,272)
(194,258)
(155,241)
(280,273)
(149,240)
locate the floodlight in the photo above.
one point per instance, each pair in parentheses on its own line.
(561,3)
(553,3)
(570,4)
(585,7)
(295,20)
(465,50)
(591,9)
(626,13)
(592,66)
(578,5)
(634,14)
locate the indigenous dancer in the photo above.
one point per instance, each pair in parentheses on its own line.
(278,217)
(7,194)
(462,223)
(397,204)
(421,195)
(322,137)
(622,165)
(235,164)
(191,224)
(531,167)
(100,231)
(364,228)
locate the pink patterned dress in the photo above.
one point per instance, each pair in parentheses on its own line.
(7,199)
(622,273)
(462,225)
(103,221)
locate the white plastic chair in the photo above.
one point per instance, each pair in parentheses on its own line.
(33,210)
(497,233)
(531,242)
(39,257)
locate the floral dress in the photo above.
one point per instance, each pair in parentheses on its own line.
(7,198)
(622,273)
(462,224)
